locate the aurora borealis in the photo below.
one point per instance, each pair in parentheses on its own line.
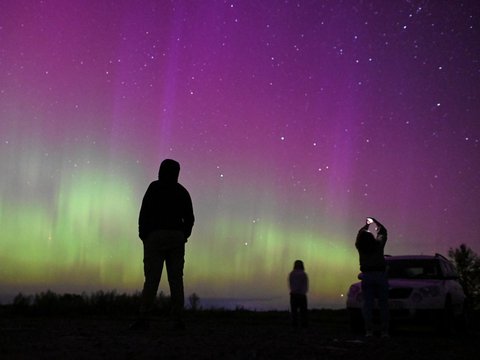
(292,122)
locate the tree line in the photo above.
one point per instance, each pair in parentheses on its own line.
(97,303)
(466,261)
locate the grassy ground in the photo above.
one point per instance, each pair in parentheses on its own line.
(222,335)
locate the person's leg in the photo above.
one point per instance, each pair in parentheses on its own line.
(294,308)
(153,259)
(175,261)
(383,303)
(304,311)
(368,293)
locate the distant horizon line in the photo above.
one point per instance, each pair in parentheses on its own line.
(228,303)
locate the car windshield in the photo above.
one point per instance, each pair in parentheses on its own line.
(413,269)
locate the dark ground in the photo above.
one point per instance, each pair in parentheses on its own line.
(223,335)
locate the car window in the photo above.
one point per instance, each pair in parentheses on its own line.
(453,270)
(448,269)
(445,269)
(413,269)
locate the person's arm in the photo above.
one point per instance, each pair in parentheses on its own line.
(188,217)
(144,214)
(368,221)
(363,228)
(381,231)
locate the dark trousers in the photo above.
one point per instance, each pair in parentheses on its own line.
(298,304)
(375,286)
(164,247)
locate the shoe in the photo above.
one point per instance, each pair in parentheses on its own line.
(369,333)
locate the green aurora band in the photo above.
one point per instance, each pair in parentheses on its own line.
(89,242)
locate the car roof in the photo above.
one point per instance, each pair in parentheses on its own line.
(410,257)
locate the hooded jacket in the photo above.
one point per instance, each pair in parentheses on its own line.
(370,248)
(166,204)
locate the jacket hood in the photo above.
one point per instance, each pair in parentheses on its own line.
(169,171)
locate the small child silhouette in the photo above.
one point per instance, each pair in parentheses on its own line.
(298,283)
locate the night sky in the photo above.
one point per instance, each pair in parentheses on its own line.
(292,122)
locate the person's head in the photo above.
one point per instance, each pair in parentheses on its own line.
(169,171)
(365,241)
(298,265)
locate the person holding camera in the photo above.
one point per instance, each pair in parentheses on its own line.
(373,274)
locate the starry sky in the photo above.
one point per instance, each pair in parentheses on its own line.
(292,122)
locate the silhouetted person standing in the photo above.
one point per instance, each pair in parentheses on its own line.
(298,283)
(374,277)
(165,223)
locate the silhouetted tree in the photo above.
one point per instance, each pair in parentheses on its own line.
(467,263)
(21,303)
(46,302)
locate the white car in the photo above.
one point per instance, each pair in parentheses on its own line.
(420,287)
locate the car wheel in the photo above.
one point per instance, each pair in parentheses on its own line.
(461,322)
(447,318)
